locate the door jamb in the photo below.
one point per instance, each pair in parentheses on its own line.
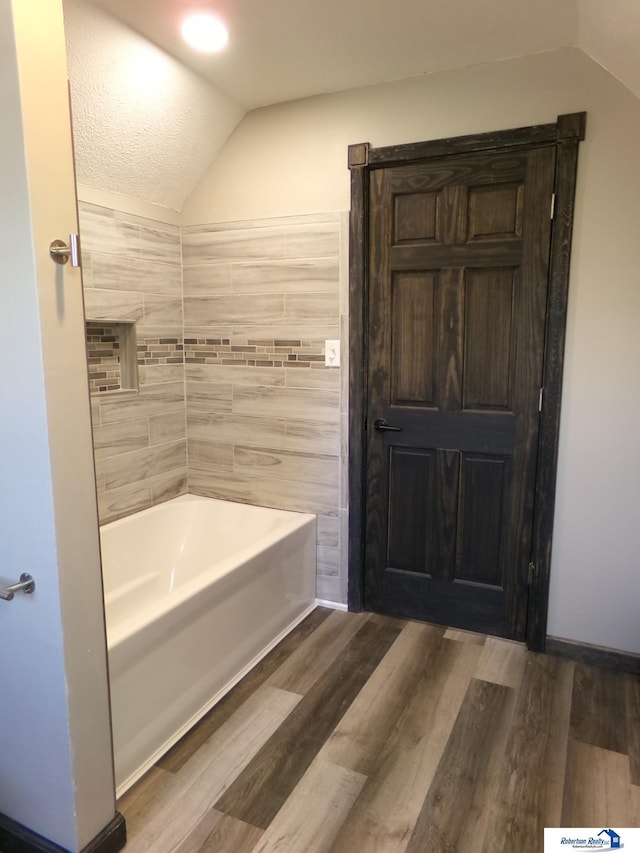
(565,134)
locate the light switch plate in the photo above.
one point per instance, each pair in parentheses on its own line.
(332,353)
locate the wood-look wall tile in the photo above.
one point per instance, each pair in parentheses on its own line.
(209,397)
(206,279)
(212,769)
(597,790)
(328,560)
(314,276)
(595,710)
(151,400)
(239,245)
(188,745)
(297,331)
(129,468)
(100,231)
(314,240)
(210,456)
(167,486)
(312,378)
(160,310)
(286,465)
(329,588)
(115,438)
(328,531)
(164,428)
(310,437)
(232,375)
(233,308)
(261,790)
(227,429)
(311,307)
(265,491)
(151,374)
(95,410)
(117,503)
(312,816)
(158,244)
(633,727)
(112,272)
(295,403)
(113,305)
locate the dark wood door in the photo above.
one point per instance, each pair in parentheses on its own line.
(458,264)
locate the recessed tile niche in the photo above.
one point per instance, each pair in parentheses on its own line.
(111,353)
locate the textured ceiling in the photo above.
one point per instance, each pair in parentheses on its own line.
(151,115)
(281,50)
(144,125)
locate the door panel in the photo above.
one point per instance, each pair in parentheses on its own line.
(458,276)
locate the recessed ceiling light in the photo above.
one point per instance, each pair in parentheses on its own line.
(205,32)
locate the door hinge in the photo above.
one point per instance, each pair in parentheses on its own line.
(532,571)
(541,398)
(552,212)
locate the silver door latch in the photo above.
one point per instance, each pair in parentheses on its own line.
(60,252)
(26,584)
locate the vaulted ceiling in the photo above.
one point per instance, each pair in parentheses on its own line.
(151,121)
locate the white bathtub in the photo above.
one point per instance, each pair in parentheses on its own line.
(196,592)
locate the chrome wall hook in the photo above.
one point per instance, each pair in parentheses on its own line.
(26,585)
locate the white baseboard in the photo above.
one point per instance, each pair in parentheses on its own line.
(334,605)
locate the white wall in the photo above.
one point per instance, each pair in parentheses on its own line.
(291,159)
(56,774)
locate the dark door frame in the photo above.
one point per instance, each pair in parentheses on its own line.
(565,134)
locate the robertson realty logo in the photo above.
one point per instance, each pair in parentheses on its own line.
(592,839)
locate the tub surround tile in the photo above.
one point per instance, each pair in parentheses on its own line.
(206,279)
(234,308)
(328,531)
(156,399)
(315,275)
(211,456)
(300,403)
(243,244)
(161,310)
(165,428)
(167,486)
(311,307)
(210,396)
(315,240)
(213,374)
(112,272)
(118,305)
(212,426)
(286,464)
(265,491)
(122,437)
(118,503)
(139,465)
(231,320)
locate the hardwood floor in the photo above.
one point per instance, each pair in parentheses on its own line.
(365,734)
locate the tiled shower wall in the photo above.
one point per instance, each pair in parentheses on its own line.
(266,419)
(132,272)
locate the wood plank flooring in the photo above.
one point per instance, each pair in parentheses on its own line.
(365,734)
